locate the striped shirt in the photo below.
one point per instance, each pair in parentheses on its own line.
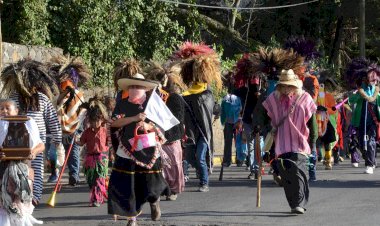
(293,134)
(46,117)
(69,117)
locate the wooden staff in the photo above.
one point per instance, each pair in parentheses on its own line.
(258,157)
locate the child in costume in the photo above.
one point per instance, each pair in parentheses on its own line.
(96,158)
(17,175)
(366,115)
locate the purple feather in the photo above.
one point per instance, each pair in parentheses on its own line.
(304,47)
(74,76)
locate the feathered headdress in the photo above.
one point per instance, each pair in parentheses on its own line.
(156,72)
(271,62)
(28,77)
(70,68)
(190,49)
(358,69)
(304,47)
(203,68)
(243,69)
(95,109)
(125,69)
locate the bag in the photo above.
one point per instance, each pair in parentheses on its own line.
(330,135)
(142,141)
(268,142)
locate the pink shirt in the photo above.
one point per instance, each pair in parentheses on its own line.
(96,142)
(293,134)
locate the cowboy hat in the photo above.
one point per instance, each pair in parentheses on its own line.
(287,77)
(136,80)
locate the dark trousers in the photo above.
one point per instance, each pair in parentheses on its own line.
(229,133)
(369,155)
(293,172)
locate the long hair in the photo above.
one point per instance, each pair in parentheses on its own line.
(28,77)
(125,69)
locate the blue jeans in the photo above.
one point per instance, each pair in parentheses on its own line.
(201,152)
(313,163)
(253,164)
(73,162)
(51,152)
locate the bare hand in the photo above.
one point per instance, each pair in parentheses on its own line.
(140,117)
(143,125)
(32,156)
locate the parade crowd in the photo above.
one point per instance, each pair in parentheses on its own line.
(138,146)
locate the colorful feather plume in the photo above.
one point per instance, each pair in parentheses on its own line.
(271,62)
(190,49)
(27,77)
(359,68)
(95,109)
(125,69)
(302,46)
(69,68)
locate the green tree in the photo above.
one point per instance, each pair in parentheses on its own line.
(25,22)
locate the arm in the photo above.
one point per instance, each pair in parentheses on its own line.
(121,122)
(312,125)
(223,113)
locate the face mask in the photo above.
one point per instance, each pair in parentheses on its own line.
(136,96)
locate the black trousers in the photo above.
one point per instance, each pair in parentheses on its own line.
(293,172)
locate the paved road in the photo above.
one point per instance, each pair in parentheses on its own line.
(344,196)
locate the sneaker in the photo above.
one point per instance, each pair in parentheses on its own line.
(298,210)
(355,164)
(171,197)
(95,204)
(369,170)
(253,176)
(155,211)
(204,188)
(53,179)
(186,178)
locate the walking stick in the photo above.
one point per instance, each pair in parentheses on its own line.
(258,157)
(221,173)
(51,201)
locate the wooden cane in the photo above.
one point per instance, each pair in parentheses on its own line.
(258,157)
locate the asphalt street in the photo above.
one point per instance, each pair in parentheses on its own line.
(344,196)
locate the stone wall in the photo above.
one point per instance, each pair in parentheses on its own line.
(14,52)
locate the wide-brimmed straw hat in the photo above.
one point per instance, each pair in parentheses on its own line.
(288,77)
(136,80)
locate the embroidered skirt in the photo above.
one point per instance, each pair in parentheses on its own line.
(131,186)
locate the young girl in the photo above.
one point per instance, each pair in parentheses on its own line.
(16,192)
(96,157)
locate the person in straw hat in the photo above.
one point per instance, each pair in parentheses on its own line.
(290,110)
(136,174)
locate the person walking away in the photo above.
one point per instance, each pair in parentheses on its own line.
(290,110)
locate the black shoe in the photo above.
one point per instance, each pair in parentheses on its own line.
(253,176)
(73,181)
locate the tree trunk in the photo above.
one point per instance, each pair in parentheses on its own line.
(234,14)
(362,28)
(337,41)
